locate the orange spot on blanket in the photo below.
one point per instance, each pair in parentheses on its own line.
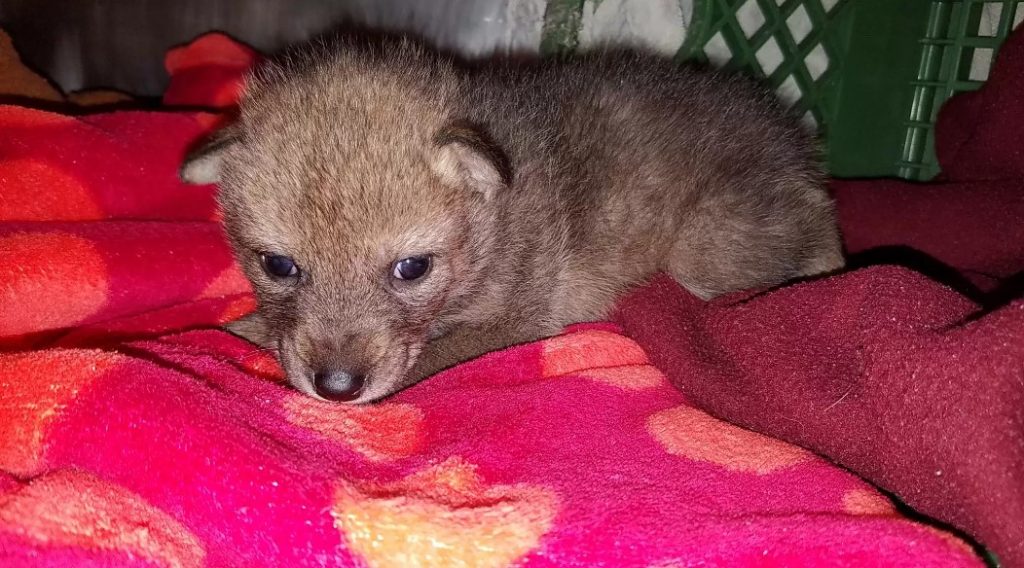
(688,432)
(58,280)
(443,516)
(76,509)
(629,377)
(229,282)
(237,308)
(588,350)
(209,122)
(36,191)
(36,387)
(380,432)
(867,502)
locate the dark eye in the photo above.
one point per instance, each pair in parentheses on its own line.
(411,268)
(279,266)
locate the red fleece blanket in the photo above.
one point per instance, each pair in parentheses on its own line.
(133,434)
(912,374)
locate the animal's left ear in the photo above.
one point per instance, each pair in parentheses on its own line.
(203,165)
(464,156)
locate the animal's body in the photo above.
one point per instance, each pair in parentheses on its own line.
(397,212)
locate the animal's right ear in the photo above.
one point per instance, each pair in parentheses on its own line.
(203,165)
(253,328)
(463,155)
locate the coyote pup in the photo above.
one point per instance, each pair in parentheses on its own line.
(398,212)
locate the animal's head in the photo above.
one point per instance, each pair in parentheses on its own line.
(359,206)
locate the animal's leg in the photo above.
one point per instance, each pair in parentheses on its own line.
(465,343)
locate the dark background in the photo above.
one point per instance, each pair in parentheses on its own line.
(121,43)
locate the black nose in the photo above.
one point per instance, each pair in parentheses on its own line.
(338,385)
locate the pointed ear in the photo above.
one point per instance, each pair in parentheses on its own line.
(203,165)
(463,155)
(254,329)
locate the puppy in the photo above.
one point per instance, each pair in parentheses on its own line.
(398,212)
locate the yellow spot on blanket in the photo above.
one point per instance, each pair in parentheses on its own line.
(443,516)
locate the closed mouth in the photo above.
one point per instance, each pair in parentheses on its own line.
(385,375)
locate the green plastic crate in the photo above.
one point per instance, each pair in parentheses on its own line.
(871,75)
(957,49)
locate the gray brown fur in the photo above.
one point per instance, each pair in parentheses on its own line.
(543,190)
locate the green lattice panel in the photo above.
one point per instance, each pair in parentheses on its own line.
(791,44)
(870,74)
(960,42)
